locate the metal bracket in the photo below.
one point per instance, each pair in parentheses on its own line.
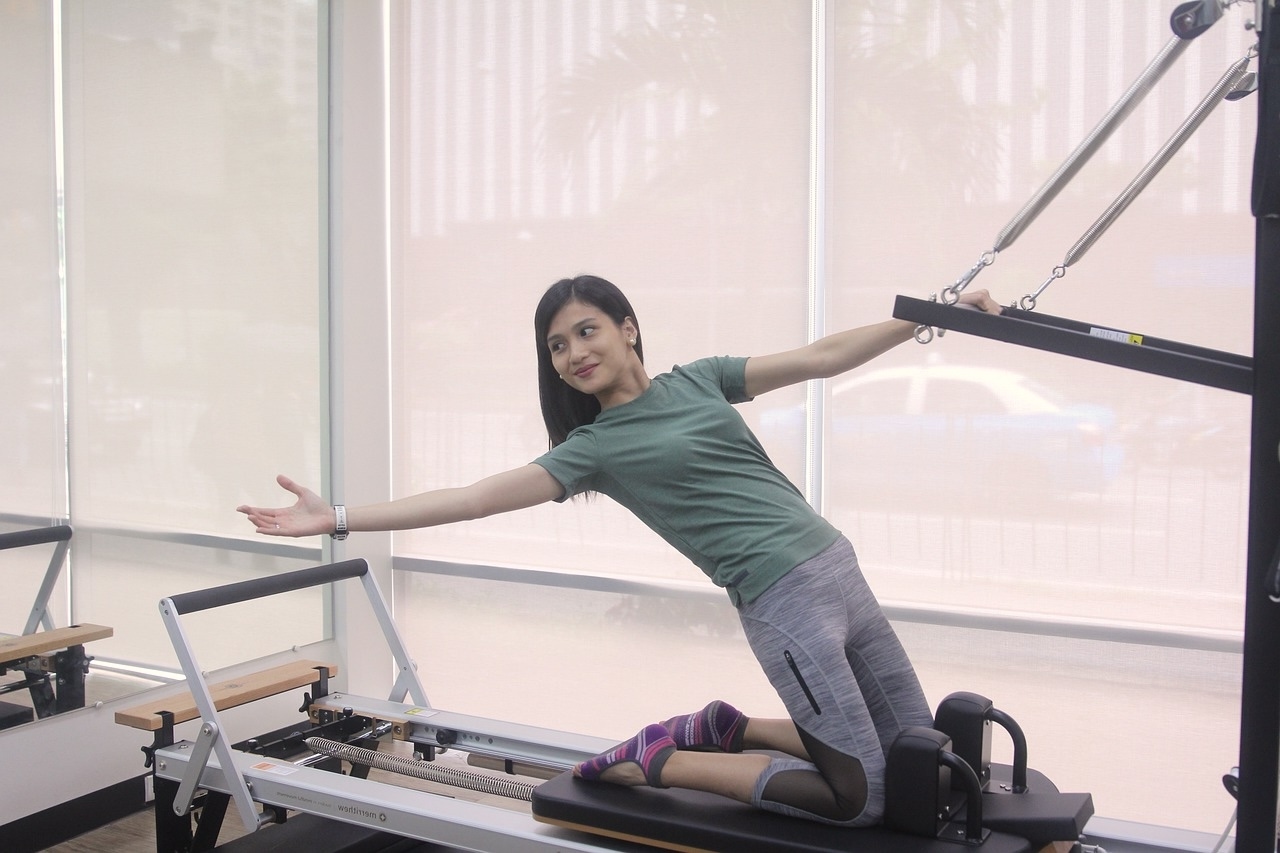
(205,740)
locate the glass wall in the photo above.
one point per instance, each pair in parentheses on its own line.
(160,224)
(33,450)
(193,246)
(31,346)
(1064,537)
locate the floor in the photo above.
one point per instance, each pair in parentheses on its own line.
(133,834)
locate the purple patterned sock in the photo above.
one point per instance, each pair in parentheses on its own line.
(719,726)
(650,749)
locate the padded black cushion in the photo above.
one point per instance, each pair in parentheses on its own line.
(695,821)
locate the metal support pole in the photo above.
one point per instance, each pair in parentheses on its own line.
(1260,680)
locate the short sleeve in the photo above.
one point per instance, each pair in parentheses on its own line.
(573,463)
(726,373)
(734,379)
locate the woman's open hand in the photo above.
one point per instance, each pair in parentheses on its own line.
(309,516)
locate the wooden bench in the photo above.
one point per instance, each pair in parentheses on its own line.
(21,646)
(226,694)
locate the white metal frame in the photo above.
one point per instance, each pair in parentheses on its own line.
(200,764)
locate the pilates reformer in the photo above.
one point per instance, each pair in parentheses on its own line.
(51,661)
(941,786)
(1020,324)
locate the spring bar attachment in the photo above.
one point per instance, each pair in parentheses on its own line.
(951,293)
(1028,302)
(1075,161)
(1189,21)
(1222,90)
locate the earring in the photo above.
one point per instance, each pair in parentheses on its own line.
(632,341)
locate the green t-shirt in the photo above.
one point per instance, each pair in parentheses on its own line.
(681,458)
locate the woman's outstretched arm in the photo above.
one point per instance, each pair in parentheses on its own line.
(839,352)
(311,515)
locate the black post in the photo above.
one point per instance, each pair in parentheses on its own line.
(71,666)
(1260,683)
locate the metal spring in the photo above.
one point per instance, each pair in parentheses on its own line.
(511,788)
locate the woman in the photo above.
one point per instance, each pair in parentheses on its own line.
(674,451)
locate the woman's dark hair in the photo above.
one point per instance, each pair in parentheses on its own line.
(564,409)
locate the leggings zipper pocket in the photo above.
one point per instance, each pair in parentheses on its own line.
(808,694)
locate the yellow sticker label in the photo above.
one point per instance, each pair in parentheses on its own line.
(1118,337)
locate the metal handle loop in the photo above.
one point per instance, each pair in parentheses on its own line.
(924,333)
(951,293)
(1028,302)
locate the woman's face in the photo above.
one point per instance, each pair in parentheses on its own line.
(589,350)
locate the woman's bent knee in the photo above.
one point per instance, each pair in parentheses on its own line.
(806,793)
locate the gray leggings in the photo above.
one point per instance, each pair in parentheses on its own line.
(831,654)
